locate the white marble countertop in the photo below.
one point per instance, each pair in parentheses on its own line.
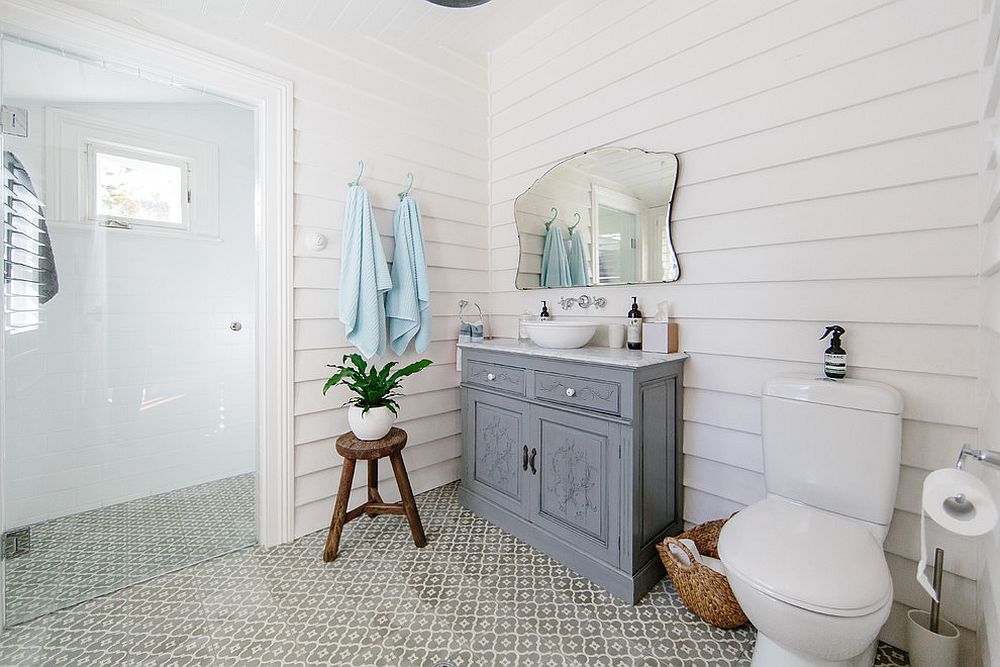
(591,354)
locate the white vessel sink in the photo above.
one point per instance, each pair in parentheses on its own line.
(560,335)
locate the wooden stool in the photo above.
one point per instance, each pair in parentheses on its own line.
(354,450)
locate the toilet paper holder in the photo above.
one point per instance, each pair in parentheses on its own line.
(987,456)
(959,505)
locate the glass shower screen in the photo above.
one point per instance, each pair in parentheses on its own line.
(129,414)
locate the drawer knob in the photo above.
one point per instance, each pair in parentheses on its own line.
(570,392)
(491,376)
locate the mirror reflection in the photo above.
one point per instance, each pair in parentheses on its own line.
(599,218)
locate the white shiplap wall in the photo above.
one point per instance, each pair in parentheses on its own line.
(989,329)
(827,174)
(362,99)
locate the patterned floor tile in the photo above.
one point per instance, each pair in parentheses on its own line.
(84,555)
(474,597)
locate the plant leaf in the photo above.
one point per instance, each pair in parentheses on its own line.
(415,367)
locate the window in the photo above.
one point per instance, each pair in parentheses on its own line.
(100,171)
(129,186)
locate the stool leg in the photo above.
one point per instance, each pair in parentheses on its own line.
(373,494)
(409,504)
(339,511)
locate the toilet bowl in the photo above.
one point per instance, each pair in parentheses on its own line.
(815,585)
(806,563)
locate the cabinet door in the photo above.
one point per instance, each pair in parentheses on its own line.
(575,485)
(495,462)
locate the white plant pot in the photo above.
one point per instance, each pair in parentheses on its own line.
(371,425)
(931,649)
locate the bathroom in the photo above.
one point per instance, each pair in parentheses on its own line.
(835,165)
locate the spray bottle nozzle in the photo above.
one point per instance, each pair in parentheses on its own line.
(836,330)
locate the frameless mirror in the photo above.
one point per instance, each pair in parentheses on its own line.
(599,218)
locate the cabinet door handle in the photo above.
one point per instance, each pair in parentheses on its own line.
(524,458)
(531,460)
(491,377)
(570,392)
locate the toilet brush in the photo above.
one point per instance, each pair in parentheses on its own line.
(933,641)
(935,619)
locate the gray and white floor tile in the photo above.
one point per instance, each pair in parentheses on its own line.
(474,596)
(81,556)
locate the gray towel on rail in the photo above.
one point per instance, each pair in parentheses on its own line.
(28,256)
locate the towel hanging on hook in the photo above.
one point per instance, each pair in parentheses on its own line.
(578,274)
(555,263)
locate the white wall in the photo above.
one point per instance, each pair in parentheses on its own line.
(989,330)
(827,174)
(361,99)
(133,384)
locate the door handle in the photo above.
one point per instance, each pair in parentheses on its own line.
(531,460)
(524,458)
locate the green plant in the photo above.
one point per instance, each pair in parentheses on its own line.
(373,387)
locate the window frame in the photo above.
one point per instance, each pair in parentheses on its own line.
(186,165)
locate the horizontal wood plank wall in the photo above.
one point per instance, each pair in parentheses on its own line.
(827,174)
(363,99)
(989,329)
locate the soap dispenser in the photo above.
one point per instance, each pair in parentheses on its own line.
(544,315)
(835,358)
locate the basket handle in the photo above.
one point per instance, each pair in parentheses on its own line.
(691,559)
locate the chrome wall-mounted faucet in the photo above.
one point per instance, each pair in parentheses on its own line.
(584,301)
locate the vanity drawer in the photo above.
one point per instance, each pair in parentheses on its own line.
(578,392)
(495,376)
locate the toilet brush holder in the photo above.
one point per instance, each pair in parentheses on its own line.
(931,649)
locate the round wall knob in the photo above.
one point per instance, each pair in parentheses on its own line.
(570,392)
(236,326)
(491,377)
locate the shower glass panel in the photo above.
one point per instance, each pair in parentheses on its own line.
(129,388)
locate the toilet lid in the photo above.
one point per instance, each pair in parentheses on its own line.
(806,557)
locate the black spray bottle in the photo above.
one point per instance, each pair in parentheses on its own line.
(835,358)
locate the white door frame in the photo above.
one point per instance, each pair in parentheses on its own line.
(119,45)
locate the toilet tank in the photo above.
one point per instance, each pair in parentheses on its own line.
(833,444)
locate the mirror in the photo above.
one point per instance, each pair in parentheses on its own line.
(599,218)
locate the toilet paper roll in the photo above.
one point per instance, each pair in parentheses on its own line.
(958,502)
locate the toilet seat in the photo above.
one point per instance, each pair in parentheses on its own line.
(807,558)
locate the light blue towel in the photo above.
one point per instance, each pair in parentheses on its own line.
(364,276)
(555,265)
(408,303)
(577,259)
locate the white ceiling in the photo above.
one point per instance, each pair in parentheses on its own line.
(473,31)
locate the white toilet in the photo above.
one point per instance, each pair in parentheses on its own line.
(806,563)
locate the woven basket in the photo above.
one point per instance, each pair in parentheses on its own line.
(704,591)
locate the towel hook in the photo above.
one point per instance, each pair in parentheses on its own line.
(555,214)
(409,185)
(577,216)
(361,172)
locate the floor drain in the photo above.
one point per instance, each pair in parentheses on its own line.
(445,664)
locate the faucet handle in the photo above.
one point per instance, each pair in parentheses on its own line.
(600,302)
(567,302)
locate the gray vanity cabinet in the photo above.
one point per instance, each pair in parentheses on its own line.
(579,459)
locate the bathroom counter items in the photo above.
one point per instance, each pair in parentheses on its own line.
(578,453)
(604,356)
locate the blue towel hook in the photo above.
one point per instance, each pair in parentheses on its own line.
(555,214)
(361,172)
(577,216)
(409,186)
